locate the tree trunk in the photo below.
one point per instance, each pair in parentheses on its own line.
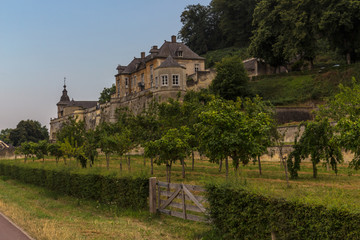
(348,58)
(144,160)
(107,161)
(43,159)
(327,166)
(183,168)
(259,162)
(227,167)
(314,169)
(220,165)
(285,166)
(193,160)
(128,162)
(167,172)
(121,163)
(65,161)
(170,172)
(152,166)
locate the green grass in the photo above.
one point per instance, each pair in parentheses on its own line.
(300,87)
(47,215)
(341,191)
(215,56)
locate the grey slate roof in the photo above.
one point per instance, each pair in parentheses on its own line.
(166,50)
(169,62)
(82,104)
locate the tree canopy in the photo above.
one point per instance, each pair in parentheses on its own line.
(28,131)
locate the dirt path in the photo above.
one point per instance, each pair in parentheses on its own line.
(9,231)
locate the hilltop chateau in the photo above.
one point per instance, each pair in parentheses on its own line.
(163,73)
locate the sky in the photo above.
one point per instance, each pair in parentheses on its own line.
(43,41)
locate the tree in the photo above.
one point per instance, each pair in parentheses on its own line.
(226,130)
(28,131)
(339,23)
(200,29)
(41,149)
(55,150)
(26,149)
(5,135)
(90,146)
(107,140)
(105,95)
(169,148)
(235,20)
(318,141)
(344,108)
(73,130)
(231,80)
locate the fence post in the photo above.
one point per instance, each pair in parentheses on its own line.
(152,194)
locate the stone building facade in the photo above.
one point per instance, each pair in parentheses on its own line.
(161,74)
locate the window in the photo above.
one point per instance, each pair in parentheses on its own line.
(134,83)
(156,82)
(126,82)
(197,67)
(142,78)
(179,53)
(164,80)
(175,80)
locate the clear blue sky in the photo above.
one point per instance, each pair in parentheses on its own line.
(43,41)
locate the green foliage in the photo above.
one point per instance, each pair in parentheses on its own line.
(124,192)
(200,29)
(72,130)
(5,135)
(239,214)
(105,95)
(227,129)
(28,131)
(339,24)
(231,79)
(319,142)
(344,108)
(235,18)
(55,150)
(212,57)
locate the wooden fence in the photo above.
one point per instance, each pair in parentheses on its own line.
(177,200)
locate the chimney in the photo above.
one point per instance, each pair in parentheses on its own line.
(142,55)
(154,47)
(173,39)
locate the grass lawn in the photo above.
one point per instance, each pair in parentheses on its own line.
(341,190)
(47,215)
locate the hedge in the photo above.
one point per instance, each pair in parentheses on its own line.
(124,192)
(240,214)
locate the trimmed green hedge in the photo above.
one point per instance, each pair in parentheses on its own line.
(124,192)
(240,214)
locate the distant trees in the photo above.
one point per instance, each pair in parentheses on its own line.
(277,31)
(27,131)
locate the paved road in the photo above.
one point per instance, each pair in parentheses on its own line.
(9,231)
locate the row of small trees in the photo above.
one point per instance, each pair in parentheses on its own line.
(219,129)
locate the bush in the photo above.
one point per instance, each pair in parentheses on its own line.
(124,192)
(240,214)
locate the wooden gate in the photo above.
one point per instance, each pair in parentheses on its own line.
(177,200)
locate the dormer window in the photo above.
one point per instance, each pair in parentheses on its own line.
(179,53)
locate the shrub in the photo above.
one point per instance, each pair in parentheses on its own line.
(124,192)
(240,214)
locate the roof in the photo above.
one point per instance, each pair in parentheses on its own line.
(166,50)
(82,104)
(170,48)
(170,62)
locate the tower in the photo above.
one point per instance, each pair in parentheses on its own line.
(64,101)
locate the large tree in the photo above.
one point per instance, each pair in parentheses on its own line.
(231,79)
(105,95)
(28,131)
(200,30)
(340,21)
(235,20)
